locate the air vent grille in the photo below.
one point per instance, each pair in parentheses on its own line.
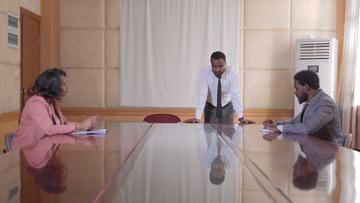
(13,39)
(13,21)
(310,50)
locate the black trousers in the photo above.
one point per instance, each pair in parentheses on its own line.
(227,114)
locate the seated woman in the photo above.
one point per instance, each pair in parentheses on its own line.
(41,116)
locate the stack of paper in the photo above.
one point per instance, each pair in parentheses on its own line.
(95,133)
(265,131)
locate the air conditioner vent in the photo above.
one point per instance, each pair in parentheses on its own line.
(13,30)
(13,40)
(317,50)
(318,55)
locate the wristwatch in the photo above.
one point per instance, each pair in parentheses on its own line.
(242,118)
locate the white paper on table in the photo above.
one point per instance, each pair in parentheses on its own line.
(265,131)
(95,133)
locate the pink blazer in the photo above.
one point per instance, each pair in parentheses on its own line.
(39,155)
(36,123)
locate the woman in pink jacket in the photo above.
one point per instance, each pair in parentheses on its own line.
(42,116)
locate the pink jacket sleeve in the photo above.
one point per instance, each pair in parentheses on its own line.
(62,139)
(42,118)
(39,155)
(48,142)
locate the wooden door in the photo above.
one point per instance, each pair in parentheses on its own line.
(30,51)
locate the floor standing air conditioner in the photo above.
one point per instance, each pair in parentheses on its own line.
(320,56)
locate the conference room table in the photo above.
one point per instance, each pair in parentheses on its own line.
(138,162)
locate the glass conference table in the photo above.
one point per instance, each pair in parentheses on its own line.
(158,163)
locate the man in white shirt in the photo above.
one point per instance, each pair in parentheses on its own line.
(219,93)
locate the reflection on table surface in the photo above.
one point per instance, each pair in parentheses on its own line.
(140,162)
(185,163)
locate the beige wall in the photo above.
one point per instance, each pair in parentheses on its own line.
(270,30)
(10,57)
(31,5)
(89,49)
(89,42)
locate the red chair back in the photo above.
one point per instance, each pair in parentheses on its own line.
(161,118)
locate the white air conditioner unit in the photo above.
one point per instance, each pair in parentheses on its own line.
(319,55)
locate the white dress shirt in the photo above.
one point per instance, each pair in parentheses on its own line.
(208,83)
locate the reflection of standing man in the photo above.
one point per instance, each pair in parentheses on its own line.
(217,167)
(213,152)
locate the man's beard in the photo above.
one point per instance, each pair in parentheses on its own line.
(302,98)
(217,74)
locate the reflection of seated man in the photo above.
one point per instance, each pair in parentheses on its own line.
(318,155)
(319,117)
(305,174)
(44,163)
(214,153)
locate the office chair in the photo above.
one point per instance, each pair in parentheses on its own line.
(348,139)
(161,118)
(344,140)
(8,140)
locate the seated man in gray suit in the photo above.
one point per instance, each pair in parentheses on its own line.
(320,115)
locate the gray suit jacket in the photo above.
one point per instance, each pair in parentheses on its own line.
(319,152)
(321,119)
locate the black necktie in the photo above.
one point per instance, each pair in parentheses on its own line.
(218,142)
(303,112)
(218,103)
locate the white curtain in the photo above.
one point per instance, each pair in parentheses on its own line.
(164,44)
(350,80)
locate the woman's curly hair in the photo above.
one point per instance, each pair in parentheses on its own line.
(48,85)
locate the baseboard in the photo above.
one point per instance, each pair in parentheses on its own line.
(278,113)
(140,113)
(137,114)
(9,116)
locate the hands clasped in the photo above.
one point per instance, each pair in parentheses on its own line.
(271,125)
(192,120)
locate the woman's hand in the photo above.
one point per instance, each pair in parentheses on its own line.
(88,123)
(87,141)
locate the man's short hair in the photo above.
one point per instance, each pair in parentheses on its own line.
(218,55)
(217,175)
(307,77)
(306,182)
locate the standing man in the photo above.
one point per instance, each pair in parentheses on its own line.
(320,115)
(219,93)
